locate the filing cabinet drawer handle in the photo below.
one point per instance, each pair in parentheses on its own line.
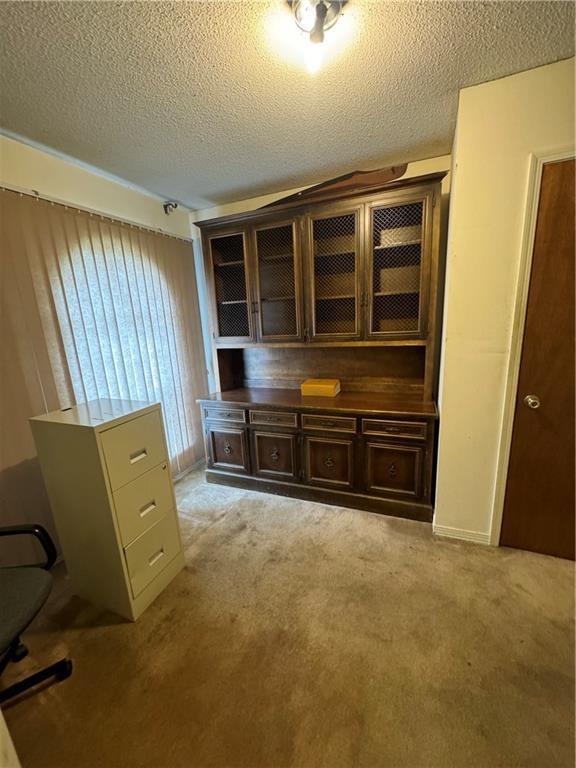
(275,454)
(138,456)
(329,463)
(147,508)
(227,449)
(393,429)
(272,418)
(326,424)
(155,557)
(392,472)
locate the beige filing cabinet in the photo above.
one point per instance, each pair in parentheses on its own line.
(105,465)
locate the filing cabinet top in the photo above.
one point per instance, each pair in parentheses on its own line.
(98,413)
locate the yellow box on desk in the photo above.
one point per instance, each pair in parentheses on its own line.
(320,387)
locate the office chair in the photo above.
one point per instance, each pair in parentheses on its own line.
(23,592)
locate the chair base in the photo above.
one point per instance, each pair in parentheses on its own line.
(59,671)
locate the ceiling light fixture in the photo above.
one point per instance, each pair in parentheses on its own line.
(315,17)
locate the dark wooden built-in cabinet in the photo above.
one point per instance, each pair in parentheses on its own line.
(345,288)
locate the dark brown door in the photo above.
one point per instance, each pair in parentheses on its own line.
(539,502)
(274,455)
(393,469)
(329,462)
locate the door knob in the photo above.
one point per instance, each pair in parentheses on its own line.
(532,401)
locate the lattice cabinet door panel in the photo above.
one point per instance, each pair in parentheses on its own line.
(278,282)
(232,301)
(398,248)
(335,275)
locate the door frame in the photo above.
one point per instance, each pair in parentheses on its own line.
(536,163)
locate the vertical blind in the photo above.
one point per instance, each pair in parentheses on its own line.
(103,310)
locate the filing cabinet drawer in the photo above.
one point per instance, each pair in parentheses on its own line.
(280,418)
(329,423)
(151,552)
(144,501)
(221,413)
(133,448)
(412,430)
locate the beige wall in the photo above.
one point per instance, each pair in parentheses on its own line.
(28,168)
(418,168)
(499,125)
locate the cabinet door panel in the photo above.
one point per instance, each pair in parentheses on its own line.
(334,274)
(278,282)
(228,255)
(274,455)
(228,449)
(398,243)
(329,462)
(393,470)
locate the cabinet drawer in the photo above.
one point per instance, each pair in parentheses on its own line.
(329,462)
(144,501)
(227,449)
(281,418)
(393,470)
(133,448)
(224,414)
(152,552)
(413,430)
(274,455)
(330,423)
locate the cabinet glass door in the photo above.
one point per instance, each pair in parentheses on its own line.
(334,275)
(233,316)
(278,283)
(396,243)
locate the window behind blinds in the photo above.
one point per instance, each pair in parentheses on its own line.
(99,309)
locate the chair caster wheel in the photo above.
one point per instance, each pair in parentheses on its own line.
(19,653)
(64,669)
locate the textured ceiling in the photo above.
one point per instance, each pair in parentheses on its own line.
(209,102)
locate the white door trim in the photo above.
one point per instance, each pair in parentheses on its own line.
(537,161)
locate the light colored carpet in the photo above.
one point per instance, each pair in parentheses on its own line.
(307,636)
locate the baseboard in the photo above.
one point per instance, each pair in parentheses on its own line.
(461,533)
(192,468)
